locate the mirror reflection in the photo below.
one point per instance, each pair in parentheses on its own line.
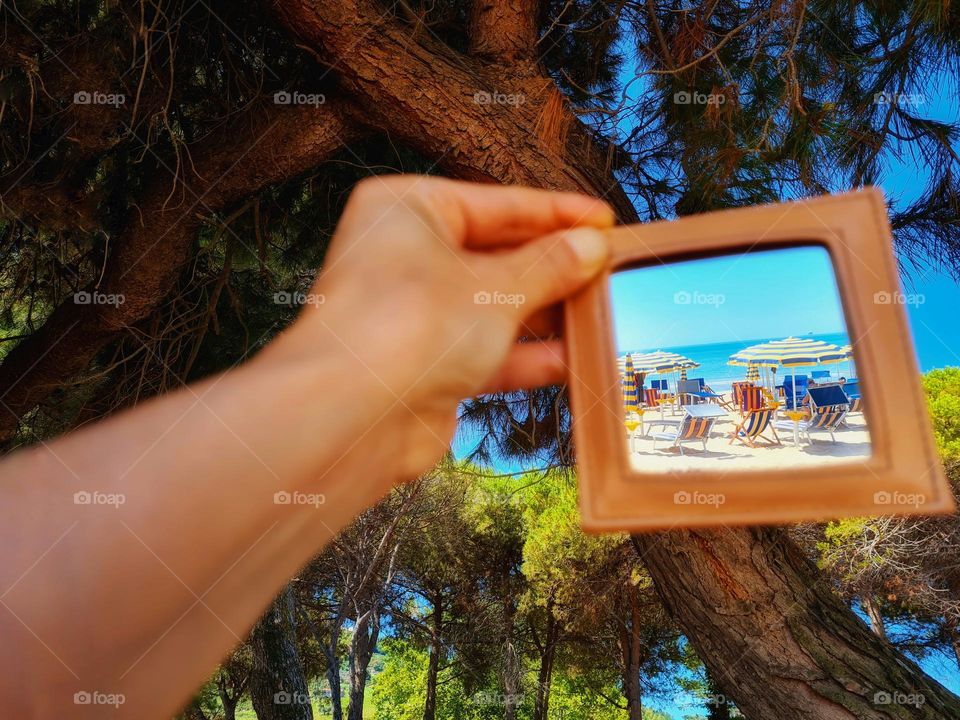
(741,361)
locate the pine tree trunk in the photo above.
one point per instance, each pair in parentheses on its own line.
(333,680)
(433,666)
(365,637)
(631,652)
(873,612)
(776,637)
(511,669)
(278,687)
(541,708)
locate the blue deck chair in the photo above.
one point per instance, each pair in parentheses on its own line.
(661,385)
(753,425)
(690,429)
(697,390)
(852,390)
(828,409)
(801,394)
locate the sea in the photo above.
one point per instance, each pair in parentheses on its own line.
(719,375)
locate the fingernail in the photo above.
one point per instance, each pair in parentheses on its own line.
(590,247)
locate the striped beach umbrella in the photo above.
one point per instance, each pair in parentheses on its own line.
(753,373)
(629,381)
(662,362)
(791,352)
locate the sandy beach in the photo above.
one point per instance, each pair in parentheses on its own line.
(852,444)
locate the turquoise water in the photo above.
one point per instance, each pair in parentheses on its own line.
(718,375)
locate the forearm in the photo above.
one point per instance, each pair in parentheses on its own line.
(164,581)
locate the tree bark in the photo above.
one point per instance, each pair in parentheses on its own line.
(433,665)
(870,607)
(510,674)
(278,687)
(541,706)
(365,637)
(478,122)
(772,632)
(240,160)
(504,31)
(631,652)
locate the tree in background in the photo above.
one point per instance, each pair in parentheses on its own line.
(206,197)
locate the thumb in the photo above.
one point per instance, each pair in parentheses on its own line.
(551,268)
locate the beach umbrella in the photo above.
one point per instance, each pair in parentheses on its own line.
(791,352)
(629,386)
(662,362)
(753,373)
(848,349)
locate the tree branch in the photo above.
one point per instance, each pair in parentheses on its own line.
(504,31)
(477,122)
(259,149)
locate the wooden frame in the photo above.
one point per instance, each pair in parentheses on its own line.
(903,475)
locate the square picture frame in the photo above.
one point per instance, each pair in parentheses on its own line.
(902,475)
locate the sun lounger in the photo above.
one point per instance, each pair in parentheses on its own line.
(690,429)
(752,427)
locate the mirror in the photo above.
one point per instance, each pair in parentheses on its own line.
(737,362)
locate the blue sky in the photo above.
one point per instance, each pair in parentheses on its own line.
(745,297)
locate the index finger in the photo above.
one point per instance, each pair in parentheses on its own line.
(483,215)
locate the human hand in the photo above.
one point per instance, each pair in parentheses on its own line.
(429,283)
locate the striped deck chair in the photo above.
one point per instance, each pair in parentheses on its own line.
(690,429)
(751,398)
(753,425)
(650,397)
(852,390)
(826,419)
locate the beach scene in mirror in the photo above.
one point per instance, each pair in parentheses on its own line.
(737,362)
